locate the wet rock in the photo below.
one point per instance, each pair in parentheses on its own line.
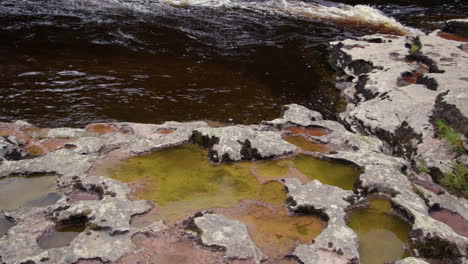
(454,220)
(217,230)
(457,26)
(330,203)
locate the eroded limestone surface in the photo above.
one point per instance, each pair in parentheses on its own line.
(400,86)
(393,96)
(218,230)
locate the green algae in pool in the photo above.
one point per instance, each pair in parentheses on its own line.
(61,236)
(272,192)
(383,237)
(327,172)
(32,191)
(5,224)
(182,179)
(271,170)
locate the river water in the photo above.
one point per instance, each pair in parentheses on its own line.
(73,62)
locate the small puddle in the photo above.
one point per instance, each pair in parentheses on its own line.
(272,229)
(311,131)
(306,144)
(5,224)
(382,236)
(28,191)
(181,180)
(61,236)
(452,219)
(327,172)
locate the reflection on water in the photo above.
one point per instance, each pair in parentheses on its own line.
(382,237)
(22,191)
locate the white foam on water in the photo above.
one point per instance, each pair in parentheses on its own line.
(326,11)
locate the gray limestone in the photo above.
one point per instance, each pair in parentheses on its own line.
(317,198)
(401,114)
(108,235)
(410,260)
(233,139)
(218,230)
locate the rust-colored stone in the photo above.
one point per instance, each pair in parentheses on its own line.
(7,129)
(452,219)
(36,149)
(101,128)
(312,131)
(429,186)
(307,144)
(54,144)
(165,130)
(449,36)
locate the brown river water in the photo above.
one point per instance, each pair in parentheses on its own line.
(73,62)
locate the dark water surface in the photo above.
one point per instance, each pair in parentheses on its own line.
(73,62)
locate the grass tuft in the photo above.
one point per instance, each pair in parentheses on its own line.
(451,136)
(457,180)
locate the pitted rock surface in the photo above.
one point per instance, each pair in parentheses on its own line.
(318,198)
(64,162)
(233,139)
(218,230)
(108,237)
(402,115)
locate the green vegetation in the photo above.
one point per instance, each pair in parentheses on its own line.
(451,136)
(457,181)
(423,168)
(301,229)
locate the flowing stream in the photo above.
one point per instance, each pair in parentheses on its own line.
(73,62)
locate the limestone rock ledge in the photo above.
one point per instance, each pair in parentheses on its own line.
(398,86)
(108,233)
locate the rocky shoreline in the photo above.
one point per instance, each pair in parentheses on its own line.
(396,86)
